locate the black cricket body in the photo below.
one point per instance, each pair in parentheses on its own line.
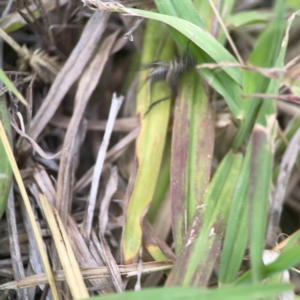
(170,71)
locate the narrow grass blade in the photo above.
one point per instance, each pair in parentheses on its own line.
(151,140)
(264,55)
(261,164)
(287,259)
(208,17)
(64,250)
(6,81)
(204,48)
(5,167)
(163,182)
(14,20)
(38,237)
(236,237)
(263,140)
(292,129)
(246,18)
(206,233)
(200,37)
(245,292)
(260,179)
(192,150)
(183,9)
(221,81)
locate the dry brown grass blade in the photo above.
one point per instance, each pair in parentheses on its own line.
(87,257)
(84,255)
(102,248)
(86,87)
(110,189)
(70,72)
(286,168)
(34,145)
(121,125)
(44,183)
(29,211)
(108,258)
(16,258)
(64,249)
(88,273)
(88,217)
(15,18)
(288,108)
(45,66)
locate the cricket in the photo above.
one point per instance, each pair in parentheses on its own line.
(169,71)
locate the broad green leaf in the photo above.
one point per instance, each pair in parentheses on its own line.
(245,292)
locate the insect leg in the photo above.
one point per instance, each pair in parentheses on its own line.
(154,104)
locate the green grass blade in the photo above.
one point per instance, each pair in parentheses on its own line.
(163,182)
(208,17)
(236,237)
(192,150)
(245,292)
(260,180)
(264,55)
(227,82)
(150,143)
(5,167)
(224,81)
(293,241)
(183,9)
(246,18)
(204,240)
(262,144)
(6,81)
(287,259)
(263,139)
(200,37)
